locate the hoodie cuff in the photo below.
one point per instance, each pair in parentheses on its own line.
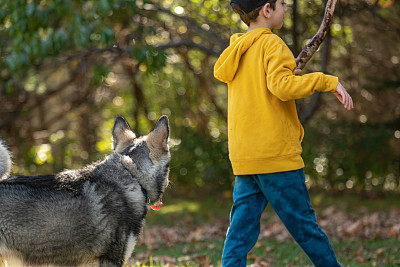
(331,82)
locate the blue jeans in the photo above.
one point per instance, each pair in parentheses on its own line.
(288,195)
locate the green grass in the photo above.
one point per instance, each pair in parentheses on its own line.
(352,202)
(187,254)
(363,253)
(191,209)
(209,209)
(202,208)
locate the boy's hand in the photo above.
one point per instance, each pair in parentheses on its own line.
(344,97)
(297,71)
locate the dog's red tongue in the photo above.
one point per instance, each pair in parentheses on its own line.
(158,207)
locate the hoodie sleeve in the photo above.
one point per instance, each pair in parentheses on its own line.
(279,66)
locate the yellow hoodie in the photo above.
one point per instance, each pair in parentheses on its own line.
(264,132)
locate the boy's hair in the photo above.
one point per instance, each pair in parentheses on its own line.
(252,15)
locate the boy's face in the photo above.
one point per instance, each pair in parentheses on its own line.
(278,15)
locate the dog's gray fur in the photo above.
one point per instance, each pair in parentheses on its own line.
(5,161)
(86,217)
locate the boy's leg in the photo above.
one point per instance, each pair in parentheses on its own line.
(248,205)
(288,195)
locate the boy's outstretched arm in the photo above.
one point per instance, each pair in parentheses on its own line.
(344,97)
(341,93)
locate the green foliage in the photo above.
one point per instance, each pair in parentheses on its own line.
(100,72)
(151,59)
(363,160)
(35,30)
(199,161)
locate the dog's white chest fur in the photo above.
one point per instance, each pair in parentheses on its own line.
(130,245)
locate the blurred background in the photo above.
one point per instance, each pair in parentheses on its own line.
(69,67)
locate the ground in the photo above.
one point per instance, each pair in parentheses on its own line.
(190,231)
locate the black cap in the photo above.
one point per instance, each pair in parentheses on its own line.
(249,5)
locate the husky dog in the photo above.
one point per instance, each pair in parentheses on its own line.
(86,217)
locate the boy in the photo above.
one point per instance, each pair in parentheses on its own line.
(265,134)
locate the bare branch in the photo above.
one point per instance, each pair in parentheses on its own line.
(309,50)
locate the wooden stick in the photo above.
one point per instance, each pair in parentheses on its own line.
(309,50)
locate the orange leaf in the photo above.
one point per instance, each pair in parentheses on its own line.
(384,3)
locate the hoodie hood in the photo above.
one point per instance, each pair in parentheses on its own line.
(227,64)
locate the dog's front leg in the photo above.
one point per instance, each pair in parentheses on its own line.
(110,263)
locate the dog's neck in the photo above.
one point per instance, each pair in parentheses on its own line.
(133,175)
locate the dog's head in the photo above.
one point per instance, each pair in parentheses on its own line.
(149,154)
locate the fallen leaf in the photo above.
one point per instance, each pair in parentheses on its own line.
(380,252)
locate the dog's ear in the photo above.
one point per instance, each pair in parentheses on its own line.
(158,137)
(122,134)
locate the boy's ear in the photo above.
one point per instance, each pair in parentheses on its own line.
(266,10)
